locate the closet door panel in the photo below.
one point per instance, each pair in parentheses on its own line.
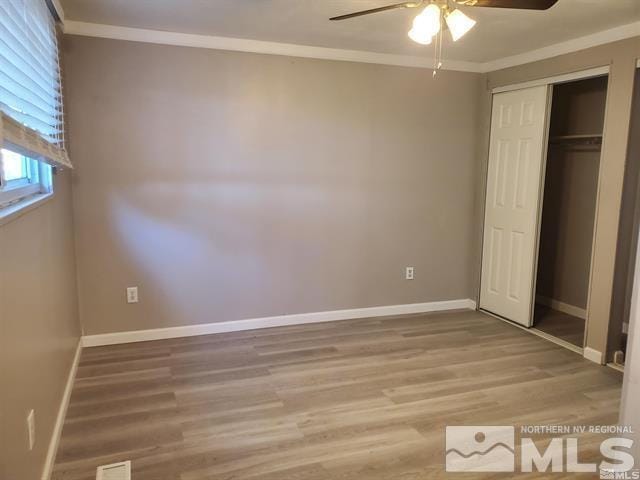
(516,153)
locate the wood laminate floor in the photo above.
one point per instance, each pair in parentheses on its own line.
(560,325)
(362,399)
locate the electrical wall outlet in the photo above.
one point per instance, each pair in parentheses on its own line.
(408,273)
(132,295)
(31,428)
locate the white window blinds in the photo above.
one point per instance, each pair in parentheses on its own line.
(30,91)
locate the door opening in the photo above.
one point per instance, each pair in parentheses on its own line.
(569,209)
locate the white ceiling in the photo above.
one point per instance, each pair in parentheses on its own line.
(499,33)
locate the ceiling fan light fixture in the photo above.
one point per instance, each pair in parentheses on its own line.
(459,24)
(426,25)
(420,37)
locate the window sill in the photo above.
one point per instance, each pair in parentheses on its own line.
(11,212)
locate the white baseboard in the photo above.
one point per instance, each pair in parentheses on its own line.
(562,307)
(62,412)
(593,355)
(277,321)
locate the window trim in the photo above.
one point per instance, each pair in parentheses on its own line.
(16,210)
(39,182)
(14,195)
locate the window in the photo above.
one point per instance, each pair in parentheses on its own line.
(30,80)
(31,116)
(22,178)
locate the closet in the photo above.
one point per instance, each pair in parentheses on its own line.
(569,208)
(540,205)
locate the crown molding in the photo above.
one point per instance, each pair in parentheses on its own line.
(257,46)
(72,27)
(599,38)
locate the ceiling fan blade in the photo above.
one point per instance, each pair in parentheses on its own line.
(520,4)
(379,9)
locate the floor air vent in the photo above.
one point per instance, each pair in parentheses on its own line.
(115,471)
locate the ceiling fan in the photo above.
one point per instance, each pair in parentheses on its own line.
(438,14)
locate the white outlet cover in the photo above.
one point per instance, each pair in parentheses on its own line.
(132,294)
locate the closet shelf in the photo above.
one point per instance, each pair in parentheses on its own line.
(588,139)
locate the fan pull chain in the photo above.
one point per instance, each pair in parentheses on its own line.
(437,57)
(440,50)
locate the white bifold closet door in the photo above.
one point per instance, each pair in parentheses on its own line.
(516,153)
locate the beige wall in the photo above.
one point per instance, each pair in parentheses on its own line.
(621,57)
(229,185)
(39,328)
(629,411)
(628,231)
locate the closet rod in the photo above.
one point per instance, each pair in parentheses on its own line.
(595,139)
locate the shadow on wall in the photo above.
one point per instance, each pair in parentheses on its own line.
(200,249)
